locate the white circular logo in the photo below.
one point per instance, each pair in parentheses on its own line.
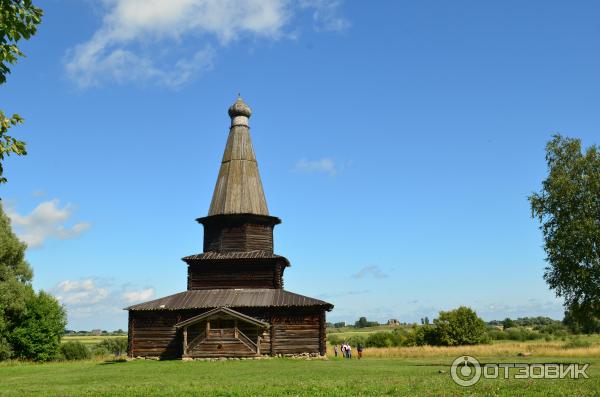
(465,371)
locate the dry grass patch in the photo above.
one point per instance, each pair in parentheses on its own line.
(509,349)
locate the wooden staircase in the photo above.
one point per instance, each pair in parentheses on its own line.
(222,342)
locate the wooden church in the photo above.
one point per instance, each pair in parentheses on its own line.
(235,304)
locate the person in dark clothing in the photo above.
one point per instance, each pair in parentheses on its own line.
(359,350)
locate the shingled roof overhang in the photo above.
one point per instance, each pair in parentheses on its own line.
(229,256)
(222,310)
(235,298)
(234,219)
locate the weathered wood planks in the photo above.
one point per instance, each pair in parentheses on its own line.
(292,331)
(258,273)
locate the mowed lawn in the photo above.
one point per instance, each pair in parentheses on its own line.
(277,377)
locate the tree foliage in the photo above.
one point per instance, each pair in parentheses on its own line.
(508,323)
(583,318)
(74,350)
(116,346)
(568,209)
(459,327)
(380,339)
(12,254)
(39,328)
(15,276)
(31,324)
(19,19)
(363,323)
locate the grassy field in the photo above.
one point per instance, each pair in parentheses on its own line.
(275,377)
(403,371)
(89,339)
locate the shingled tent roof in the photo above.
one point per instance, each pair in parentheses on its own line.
(247,297)
(239,189)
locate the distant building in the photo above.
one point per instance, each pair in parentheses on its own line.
(393,321)
(96,332)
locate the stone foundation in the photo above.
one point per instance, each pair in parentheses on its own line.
(302,356)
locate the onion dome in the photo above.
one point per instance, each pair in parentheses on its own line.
(239,108)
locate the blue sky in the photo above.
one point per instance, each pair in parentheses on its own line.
(398,143)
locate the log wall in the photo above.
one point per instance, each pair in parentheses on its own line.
(292,331)
(153,334)
(235,274)
(240,237)
(295,333)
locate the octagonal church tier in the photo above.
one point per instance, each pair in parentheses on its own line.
(235,304)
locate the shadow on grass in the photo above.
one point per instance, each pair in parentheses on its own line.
(114,361)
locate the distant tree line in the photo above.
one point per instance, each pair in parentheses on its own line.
(524,322)
(95,332)
(456,327)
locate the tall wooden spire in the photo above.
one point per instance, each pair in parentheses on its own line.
(238,219)
(239,189)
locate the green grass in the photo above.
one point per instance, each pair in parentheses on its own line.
(276,377)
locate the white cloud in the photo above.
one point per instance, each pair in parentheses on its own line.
(144,40)
(94,301)
(325,165)
(139,296)
(326,15)
(372,271)
(47,220)
(68,285)
(80,293)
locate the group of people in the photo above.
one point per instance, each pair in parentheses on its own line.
(346,350)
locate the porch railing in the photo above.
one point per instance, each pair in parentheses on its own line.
(221,333)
